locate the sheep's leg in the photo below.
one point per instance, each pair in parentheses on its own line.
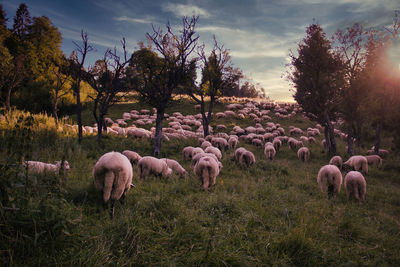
(112,208)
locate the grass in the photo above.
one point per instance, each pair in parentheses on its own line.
(270,214)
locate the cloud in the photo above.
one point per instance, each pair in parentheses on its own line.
(180,10)
(134,20)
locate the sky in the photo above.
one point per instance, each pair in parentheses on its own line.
(258,33)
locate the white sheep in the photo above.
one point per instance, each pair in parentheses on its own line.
(175,167)
(215,151)
(197,150)
(355,185)
(132,156)
(198,156)
(357,163)
(219,142)
(337,161)
(207,170)
(303,154)
(277,144)
(113,177)
(374,159)
(247,158)
(187,152)
(148,165)
(233,141)
(269,151)
(330,179)
(38,167)
(205,144)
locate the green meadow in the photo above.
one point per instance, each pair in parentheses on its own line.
(271,214)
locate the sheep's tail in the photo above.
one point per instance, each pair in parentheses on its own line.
(109,178)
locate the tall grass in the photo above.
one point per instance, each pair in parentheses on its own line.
(270,214)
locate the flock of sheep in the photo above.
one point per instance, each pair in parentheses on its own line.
(113,172)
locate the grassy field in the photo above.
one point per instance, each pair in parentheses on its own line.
(270,214)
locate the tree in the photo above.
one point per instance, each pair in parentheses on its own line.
(213,70)
(155,77)
(317,77)
(59,89)
(22,21)
(3,20)
(231,86)
(107,78)
(77,71)
(351,47)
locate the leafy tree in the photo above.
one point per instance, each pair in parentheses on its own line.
(3,20)
(22,21)
(156,77)
(107,78)
(213,80)
(317,77)
(351,46)
(231,86)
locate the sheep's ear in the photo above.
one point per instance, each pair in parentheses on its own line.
(132,185)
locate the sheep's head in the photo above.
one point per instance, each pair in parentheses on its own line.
(65,167)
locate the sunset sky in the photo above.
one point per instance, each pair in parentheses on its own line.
(259,34)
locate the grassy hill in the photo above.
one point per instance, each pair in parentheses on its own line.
(272,213)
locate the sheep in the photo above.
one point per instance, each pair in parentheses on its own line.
(239,152)
(153,165)
(294,144)
(269,151)
(233,141)
(355,185)
(219,142)
(175,167)
(205,144)
(37,167)
(303,154)
(207,170)
(382,152)
(132,156)
(187,152)
(197,150)
(247,158)
(337,161)
(374,159)
(215,151)
(330,179)
(357,162)
(112,176)
(277,144)
(198,156)
(257,142)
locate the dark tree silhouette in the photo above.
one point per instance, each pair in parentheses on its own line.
(156,77)
(317,77)
(22,21)
(107,77)
(77,71)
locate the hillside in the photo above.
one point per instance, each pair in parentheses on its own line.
(272,213)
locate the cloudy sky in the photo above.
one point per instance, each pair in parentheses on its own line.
(258,33)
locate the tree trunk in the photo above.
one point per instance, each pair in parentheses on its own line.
(332,143)
(378,137)
(204,118)
(327,140)
(100,127)
(55,109)
(79,114)
(158,133)
(8,98)
(350,141)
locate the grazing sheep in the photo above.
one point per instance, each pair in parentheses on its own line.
(330,179)
(38,167)
(269,151)
(215,151)
(257,142)
(247,158)
(153,165)
(197,150)
(187,152)
(198,156)
(337,161)
(239,152)
(355,185)
(205,144)
(132,156)
(357,162)
(219,142)
(294,144)
(113,177)
(381,153)
(233,141)
(374,159)
(303,154)
(175,167)
(277,144)
(207,170)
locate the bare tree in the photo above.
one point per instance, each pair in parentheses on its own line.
(107,79)
(59,89)
(155,77)
(214,70)
(77,71)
